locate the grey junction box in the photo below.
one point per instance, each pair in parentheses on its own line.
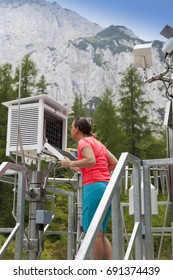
(43,217)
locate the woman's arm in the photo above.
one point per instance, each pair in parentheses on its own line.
(87,160)
(112,161)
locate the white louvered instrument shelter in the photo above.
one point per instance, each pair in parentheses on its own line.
(41,120)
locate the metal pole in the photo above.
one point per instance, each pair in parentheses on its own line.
(79,212)
(70,228)
(170,169)
(149,252)
(20,217)
(117,227)
(34,204)
(137,211)
(17,142)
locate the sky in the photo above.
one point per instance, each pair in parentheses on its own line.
(145,18)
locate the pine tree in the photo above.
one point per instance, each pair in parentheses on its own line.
(78,108)
(28,74)
(6,93)
(134,114)
(106,123)
(78,111)
(6,82)
(41,85)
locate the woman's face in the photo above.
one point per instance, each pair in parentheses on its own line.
(74,130)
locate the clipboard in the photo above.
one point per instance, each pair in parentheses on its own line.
(59,153)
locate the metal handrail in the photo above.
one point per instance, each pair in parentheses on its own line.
(132,240)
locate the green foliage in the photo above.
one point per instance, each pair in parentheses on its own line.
(6,92)
(78,111)
(9,252)
(78,108)
(134,115)
(153,146)
(6,205)
(106,123)
(27,73)
(6,82)
(41,85)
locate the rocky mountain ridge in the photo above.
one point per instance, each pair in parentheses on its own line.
(74,54)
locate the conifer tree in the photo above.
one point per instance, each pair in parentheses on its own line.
(78,108)
(134,114)
(78,111)
(28,72)
(6,93)
(106,124)
(41,85)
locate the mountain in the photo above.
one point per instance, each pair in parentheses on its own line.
(74,54)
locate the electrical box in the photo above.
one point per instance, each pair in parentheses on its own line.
(43,217)
(34,121)
(154,203)
(143,55)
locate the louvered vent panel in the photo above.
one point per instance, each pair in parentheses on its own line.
(28,125)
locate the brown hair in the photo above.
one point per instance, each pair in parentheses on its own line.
(83,125)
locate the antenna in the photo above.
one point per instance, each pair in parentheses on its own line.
(167,32)
(143,57)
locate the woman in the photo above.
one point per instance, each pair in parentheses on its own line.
(95,162)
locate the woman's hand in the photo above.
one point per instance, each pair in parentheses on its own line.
(65,162)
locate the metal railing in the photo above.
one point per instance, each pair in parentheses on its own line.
(112,195)
(141,237)
(147,165)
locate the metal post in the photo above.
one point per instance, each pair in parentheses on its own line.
(34,204)
(170,169)
(79,212)
(149,254)
(20,217)
(137,211)
(117,227)
(70,228)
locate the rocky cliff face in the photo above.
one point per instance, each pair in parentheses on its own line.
(75,55)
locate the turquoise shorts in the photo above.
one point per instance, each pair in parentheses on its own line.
(91,196)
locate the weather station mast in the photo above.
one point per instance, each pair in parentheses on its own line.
(143,59)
